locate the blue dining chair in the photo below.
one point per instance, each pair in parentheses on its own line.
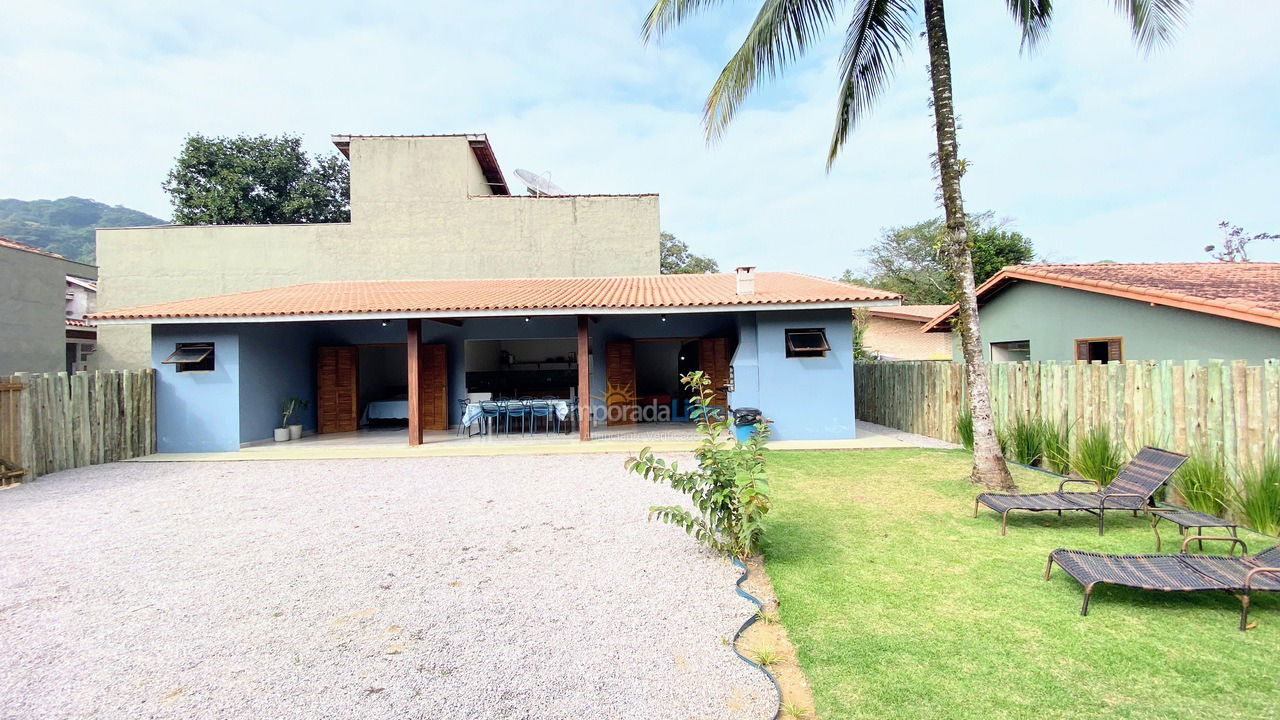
(490,410)
(540,409)
(517,409)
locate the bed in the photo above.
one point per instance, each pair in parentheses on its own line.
(393,408)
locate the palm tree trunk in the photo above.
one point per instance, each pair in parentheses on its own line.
(989,467)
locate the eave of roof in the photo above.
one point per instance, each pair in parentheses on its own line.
(1154,296)
(511,297)
(480,147)
(909,312)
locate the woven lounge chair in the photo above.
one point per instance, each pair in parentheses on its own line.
(1176,573)
(1131,490)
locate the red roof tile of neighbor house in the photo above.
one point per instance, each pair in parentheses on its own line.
(6,242)
(919,313)
(1248,291)
(508,296)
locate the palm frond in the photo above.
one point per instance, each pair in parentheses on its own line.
(783,30)
(1033,17)
(666,14)
(878,35)
(1154,22)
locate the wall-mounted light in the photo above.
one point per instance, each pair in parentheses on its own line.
(664,318)
(526,318)
(386,323)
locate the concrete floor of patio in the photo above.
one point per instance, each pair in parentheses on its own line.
(390,442)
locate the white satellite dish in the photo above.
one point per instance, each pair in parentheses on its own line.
(539,185)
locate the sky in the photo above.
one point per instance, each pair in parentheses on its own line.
(1089,147)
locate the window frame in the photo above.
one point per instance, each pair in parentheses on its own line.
(205,363)
(991,349)
(1117,339)
(793,352)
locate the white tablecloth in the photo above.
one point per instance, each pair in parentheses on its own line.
(560,407)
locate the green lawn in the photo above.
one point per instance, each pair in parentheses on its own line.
(902,605)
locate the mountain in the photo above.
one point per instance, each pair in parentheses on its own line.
(66,225)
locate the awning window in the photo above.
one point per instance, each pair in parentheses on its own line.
(810,342)
(190,357)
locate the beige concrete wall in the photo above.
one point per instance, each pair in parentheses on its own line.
(902,340)
(420,210)
(33,303)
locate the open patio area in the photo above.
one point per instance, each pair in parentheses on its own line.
(434,587)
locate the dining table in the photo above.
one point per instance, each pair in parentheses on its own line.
(473,411)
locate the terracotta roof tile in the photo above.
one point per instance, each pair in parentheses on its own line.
(513,295)
(1248,291)
(922,313)
(6,242)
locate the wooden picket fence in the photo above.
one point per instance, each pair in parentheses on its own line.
(55,421)
(1231,408)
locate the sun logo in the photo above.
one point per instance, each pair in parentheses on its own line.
(617,394)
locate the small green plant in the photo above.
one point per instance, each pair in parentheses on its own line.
(1097,457)
(1057,448)
(964,427)
(1026,440)
(1005,437)
(729,488)
(795,711)
(765,618)
(767,657)
(289,407)
(1203,483)
(1258,500)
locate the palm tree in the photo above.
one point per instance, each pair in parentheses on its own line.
(878,34)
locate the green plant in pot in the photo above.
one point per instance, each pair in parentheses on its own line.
(288,410)
(728,489)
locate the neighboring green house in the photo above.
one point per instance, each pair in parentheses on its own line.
(1129,311)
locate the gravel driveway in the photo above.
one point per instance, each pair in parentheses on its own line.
(501,587)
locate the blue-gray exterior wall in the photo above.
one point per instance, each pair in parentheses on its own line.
(808,398)
(1052,318)
(197,411)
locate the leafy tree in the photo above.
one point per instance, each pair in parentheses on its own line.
(677,260)
(256,180)
(878,34)
(1235,243)
(66,225)
(910,259)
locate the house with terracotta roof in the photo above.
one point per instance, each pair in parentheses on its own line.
(43,300)
(893,333)
(615,346)
(1107,312)
(445,287)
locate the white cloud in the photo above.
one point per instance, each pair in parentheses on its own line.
(1095,151)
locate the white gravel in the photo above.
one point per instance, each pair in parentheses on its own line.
(500,587)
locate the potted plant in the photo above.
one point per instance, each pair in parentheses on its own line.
(292,431)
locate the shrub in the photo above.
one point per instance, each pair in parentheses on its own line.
(1203,483)
(964,427)
(1057,447)
(729,488)
(1097,457)
(1026,440)
(1258,500)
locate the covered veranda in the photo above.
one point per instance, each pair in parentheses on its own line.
(359,356)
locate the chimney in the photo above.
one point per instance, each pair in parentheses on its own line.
(746,279)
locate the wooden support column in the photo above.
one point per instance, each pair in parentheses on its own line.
(413,344)
(584,381)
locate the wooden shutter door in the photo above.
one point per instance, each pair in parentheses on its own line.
(713,360)
(1082,350)
(434,386)
(620,375)
(337,382)
(1114,352)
